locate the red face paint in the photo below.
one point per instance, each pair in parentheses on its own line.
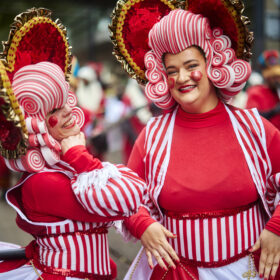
(171,83)
(196,76)
(53,121)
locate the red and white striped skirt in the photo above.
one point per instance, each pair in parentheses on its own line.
(78,254)
(216,238)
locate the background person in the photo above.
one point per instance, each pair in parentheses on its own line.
(266,97)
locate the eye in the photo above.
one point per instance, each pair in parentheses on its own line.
(171,72)
(192,66)
(53,111)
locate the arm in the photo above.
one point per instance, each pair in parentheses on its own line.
(141,225)
(48,197)
(269,240)
(103,189)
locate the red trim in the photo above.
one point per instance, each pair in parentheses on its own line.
(212,214)
(100,230)
(70,273)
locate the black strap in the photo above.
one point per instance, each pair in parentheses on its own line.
(12,254)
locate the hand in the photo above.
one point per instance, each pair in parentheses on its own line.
(155,243)
(72,141)
(269,243)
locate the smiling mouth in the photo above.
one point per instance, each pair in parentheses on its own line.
(187,88)
(70,123)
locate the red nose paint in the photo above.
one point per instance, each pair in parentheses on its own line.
(196,76)
(53,121)
(171,83)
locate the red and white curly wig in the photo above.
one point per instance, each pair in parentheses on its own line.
(179,30)
(39,89)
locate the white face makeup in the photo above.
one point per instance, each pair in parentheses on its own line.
(61,124)
(194,93)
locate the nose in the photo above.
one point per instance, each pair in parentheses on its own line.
(183,76)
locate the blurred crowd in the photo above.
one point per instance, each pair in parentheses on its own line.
(116,110)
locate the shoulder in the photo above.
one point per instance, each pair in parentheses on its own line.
(235,109)
(46,182)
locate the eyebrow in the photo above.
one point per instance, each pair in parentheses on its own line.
(186,62)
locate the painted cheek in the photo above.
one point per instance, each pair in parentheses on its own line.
(53,121)
(171,83)
(196,76)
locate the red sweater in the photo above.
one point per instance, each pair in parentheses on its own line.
(207,170)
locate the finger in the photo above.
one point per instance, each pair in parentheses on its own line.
(268,265)
(168,233)
(256,246)
(167,247)
(159,260)
(150,259)
(167,258)
(275,266)
(263,258)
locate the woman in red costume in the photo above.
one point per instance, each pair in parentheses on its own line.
(212,170)
(66,198)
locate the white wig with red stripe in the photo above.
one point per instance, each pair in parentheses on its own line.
(176,32)
(39,89)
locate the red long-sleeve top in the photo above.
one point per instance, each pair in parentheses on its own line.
(207,170)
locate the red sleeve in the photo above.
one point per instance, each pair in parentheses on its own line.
(139,222)
(273,224)
(81,160)
(273,145)
(135,161)
(48,197)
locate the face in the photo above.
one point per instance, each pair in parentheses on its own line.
(274,82)
(188,81)
(60,123)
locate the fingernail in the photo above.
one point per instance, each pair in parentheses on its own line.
(177,261)
(151,267)
(174,267)
(250,250)
(265,278)
(165,268)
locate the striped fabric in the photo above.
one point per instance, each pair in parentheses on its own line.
(113,190)
(212,240)
(157,146)
(250,133)
(75,247)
